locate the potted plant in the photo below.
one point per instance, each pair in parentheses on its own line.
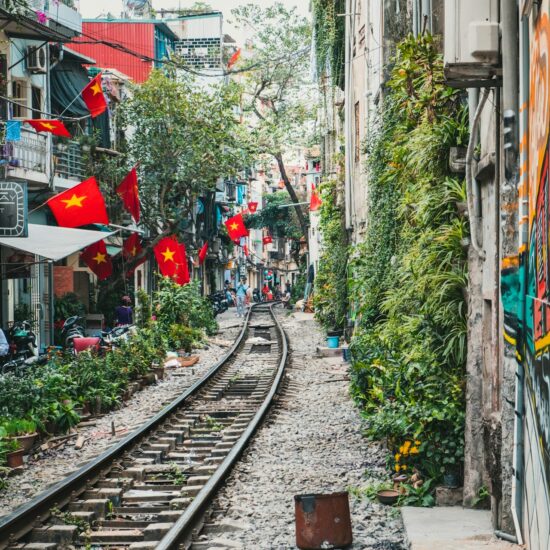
(24,431)
(14,455)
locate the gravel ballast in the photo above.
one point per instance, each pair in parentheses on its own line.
(311,443)
(46,468)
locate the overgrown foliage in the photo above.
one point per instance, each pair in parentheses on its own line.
(408,279)
(331,289)
(329,30)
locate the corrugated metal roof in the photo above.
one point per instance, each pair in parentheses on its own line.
(137,37)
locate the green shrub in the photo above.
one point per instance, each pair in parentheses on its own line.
(408,278)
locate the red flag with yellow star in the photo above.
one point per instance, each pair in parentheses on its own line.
(97,259)
(93,96)
(315,201)
(169,256)
(182,274)
(252,207)
(203,252)
(132,246)
(236,228)
(55,127)
(128,192)
(81,205)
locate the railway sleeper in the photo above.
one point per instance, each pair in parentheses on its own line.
(59,534)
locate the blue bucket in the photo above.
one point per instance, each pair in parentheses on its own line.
(333,341)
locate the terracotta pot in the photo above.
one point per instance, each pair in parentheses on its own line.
(15,459)
(26,441)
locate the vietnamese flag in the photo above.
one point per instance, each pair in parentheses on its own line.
(97,259)
(202,253)
(267,239)
(132,246)
(172,259)
(252,207)
(128,192)
(93,96)
(55,127)
(83,204)
(236,228)
(182,274)
(315,202)
(234,58)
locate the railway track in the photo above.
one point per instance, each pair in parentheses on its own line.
(152,489)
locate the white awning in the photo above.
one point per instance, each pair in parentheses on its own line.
(52,242)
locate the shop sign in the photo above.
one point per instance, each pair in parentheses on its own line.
(13,209)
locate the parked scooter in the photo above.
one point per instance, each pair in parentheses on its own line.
(22,341)
(117,335)
(256,295)
(71,330)
(219,302)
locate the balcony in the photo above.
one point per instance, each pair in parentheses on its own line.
(28,158)
(68,162)
(62,17)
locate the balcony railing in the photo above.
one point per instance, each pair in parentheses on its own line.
(30,153)
(68,161)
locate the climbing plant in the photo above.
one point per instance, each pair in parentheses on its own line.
(331,292)
(408,278)
(329,38)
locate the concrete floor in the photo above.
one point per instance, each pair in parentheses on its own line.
(451,528)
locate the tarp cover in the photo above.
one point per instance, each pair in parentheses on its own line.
(52,242)
(68,79)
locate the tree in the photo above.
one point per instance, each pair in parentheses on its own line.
(277,88)
(183,137)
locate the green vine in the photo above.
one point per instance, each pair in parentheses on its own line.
(331,289)
(408,278)
(329,38)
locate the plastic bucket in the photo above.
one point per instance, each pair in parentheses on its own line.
(322,521)
(333,341)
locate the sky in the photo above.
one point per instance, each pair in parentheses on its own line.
(92,8)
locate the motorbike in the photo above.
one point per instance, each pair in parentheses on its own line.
(72,329)
(22,341)
(116,335)
(219,302)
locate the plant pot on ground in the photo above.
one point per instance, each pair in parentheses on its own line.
(14,455)
(23,431)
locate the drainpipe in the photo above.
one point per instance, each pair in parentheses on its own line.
(473,195)
(348,123)
(517,461)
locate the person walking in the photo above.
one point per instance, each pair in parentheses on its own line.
(242,290)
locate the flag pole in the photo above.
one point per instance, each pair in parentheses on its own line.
(38,207)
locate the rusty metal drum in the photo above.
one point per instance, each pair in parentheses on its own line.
(322,521)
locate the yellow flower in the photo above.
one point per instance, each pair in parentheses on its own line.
(416,442)
(397,457)
(397,467)
(404,467)
(401,449)
(414,450)
(407,445)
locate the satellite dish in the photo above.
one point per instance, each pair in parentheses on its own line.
(136,7)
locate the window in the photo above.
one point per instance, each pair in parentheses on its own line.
(19,97)
(357,133)
(36,99)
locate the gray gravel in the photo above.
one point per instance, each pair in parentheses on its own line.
(48,467)
(311,443)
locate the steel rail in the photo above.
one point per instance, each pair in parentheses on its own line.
(182,530)
(20,522)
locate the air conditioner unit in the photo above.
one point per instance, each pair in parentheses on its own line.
(472,34)
(37,59)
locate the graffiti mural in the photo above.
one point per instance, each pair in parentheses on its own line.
(535,345)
